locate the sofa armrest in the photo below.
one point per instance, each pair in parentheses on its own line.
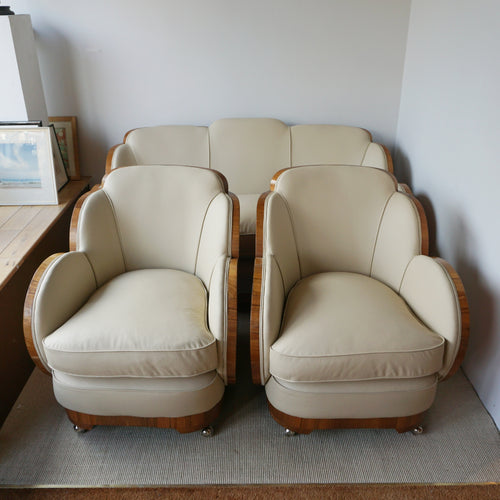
(120,155)
(435,293)
(60,286)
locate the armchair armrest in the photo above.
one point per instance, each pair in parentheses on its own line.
(435,293)
(120,155)
(276,269)
(217,268)
(60,286)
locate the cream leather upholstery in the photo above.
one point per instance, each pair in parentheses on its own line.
(350,319)
(248,151)
(139,319)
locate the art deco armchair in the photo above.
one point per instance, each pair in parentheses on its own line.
(137,323)
(352,324)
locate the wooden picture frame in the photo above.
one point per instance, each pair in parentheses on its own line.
(67,137)
(61,173)
(27,173)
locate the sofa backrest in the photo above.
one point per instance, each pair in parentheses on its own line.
(248,151)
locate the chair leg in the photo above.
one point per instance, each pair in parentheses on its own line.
(208,431)
(81,430)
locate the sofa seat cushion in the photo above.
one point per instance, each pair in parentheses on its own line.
(346,326)
(145,323)
(248,212)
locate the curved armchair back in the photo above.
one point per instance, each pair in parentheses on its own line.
(347,219)
(144,217)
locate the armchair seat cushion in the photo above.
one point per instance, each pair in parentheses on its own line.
(340,326)
(144,323)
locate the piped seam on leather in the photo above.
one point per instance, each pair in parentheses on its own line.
(381,219)
(117,227)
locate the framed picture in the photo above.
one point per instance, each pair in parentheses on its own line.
(59,167)
(68,142)
(28,124)
(27,173)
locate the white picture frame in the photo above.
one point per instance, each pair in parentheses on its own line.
(27,173)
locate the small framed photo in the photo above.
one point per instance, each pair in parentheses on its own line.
(27,173)
(59,167)
(66,131)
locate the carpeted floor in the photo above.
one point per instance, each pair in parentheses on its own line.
(38,446)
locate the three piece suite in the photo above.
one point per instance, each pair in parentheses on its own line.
(352,323)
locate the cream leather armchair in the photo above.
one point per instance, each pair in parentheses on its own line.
(137,323)
(352,324)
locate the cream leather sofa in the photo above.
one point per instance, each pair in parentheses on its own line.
(352,324)
(248,151)
(137,323)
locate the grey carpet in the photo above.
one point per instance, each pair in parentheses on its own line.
(38,446)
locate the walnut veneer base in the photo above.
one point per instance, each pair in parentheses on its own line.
(307,425)
(190,423)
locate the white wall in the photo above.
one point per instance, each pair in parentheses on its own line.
(448,140)
(122,64)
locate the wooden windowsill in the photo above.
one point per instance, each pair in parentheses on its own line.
(23,227)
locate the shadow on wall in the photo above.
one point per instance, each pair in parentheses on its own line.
(483,304)
(483,342)
(63,89)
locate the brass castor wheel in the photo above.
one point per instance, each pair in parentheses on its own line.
(208,431)
(79,430)
(417,430)
(290,433)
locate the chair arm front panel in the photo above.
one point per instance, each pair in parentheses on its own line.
(97,236)
(399,239)
(433,290)
(120,155)
(60,286)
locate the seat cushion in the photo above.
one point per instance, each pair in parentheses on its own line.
(145,323)
(248,212)
(346,326)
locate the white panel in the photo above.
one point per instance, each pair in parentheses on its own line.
(12,106)
(29,70)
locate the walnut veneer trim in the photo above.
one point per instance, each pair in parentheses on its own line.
(232,321)
(189,423)
(307,425)
(28,311)
(390,165)
(464,313)
(232,291)
(256,291)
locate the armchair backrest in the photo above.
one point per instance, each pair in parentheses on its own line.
(342,219)
(154,217)
(248,151)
